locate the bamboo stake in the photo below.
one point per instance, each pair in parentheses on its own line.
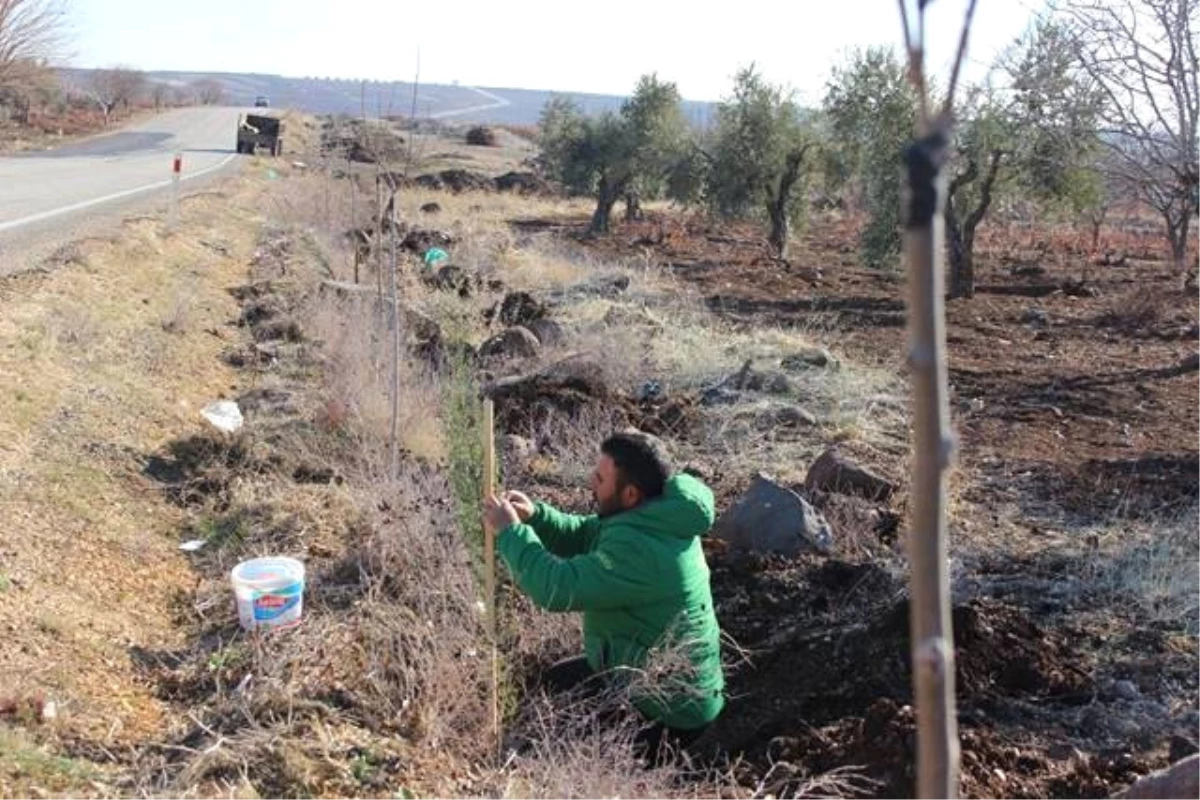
(489,559)
(933,442)
(933,446)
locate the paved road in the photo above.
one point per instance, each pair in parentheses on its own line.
(494,101)
(41,189)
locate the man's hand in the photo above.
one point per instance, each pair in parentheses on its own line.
(521,502)
(498,514)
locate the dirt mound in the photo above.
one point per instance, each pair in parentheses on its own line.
(828,682)
(456,181)
(525,402)
(528,183)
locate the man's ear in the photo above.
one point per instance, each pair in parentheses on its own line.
(631,496)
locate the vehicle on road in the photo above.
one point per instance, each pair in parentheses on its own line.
(262,101)
(257,130)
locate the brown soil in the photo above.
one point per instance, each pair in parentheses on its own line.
(1072,393)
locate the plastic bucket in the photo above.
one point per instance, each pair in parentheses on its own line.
(269,591)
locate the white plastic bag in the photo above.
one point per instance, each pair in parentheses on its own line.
(224,415)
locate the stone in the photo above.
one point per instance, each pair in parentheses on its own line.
(808,358)
(1181,747)
(548,332)
(1126,690)
(833,471)
(773,519)
(515,342)
(719,396)
(651,390)
(629,317)
(517,450)
(789,416)
(521,308)
(1035,317)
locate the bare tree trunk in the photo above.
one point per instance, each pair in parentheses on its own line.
(607,195)
(633,206)
(778,199)
(954,248)
(933,445)
(1177,235)
(961,247)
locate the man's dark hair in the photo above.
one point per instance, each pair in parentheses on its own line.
(640,459)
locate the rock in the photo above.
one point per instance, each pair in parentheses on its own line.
(420,240)
(1035,317)
(719,396)
(651,390)
(1182,747)
(268,402)
(515,342)
(808,358)
(520,308)
(1027,271)
(790,416)
(1126,690)
(769,381)
(448,279)
(481,136)
(461,180)
(517,450)
(431,208)
(834,472)
(771,518)
(629,317)
(1079,288)
(772,382)
(548,332)
(522,183)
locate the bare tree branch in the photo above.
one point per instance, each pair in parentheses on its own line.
(31,35)
(1142,55)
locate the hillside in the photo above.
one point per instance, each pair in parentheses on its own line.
(388,98)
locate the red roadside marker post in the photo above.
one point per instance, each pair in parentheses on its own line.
(173,213)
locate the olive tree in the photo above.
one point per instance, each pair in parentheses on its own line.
(1038,136)
(615,156)
(758,157)
(872,109)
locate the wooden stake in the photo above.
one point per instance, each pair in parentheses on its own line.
(489,558)
(933,447)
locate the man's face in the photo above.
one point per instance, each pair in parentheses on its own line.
(611,497)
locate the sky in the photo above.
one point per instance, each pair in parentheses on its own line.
(601,47)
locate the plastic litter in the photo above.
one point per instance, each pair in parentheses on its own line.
(269,591)
(192,545)
(435,256)
(224,415)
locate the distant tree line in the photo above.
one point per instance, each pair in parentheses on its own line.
(32,40)
(1096,102)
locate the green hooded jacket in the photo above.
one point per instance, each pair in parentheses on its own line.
(642,583)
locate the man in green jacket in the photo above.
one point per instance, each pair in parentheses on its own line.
(637,572)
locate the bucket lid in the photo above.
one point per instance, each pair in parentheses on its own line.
(268,571)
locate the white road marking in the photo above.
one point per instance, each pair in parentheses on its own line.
(497,102)
(108,198)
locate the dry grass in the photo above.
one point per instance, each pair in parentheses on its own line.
(358,378)
(1151,566)
(83,403)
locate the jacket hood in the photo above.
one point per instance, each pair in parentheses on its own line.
(685,510)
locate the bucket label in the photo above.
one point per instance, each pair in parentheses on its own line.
(272,606)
